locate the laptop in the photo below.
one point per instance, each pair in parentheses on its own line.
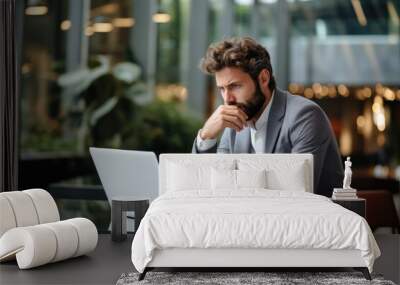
(126,172)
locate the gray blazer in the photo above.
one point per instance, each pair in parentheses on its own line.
(295,125)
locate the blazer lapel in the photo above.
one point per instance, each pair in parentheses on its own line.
(276,115)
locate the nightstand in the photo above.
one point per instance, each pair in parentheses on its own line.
(118,214)
(357,205)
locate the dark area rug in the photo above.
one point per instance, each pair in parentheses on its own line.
(228,278)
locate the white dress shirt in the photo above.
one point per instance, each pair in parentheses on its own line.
(258,132)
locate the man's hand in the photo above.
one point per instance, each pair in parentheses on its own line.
(226,116)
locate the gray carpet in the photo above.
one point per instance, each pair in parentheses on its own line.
(225,278)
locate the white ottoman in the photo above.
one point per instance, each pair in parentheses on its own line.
(31,232)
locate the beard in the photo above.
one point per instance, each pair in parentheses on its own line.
(253,106)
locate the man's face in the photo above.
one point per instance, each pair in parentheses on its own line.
(239,89)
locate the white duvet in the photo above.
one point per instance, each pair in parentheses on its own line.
(250,219)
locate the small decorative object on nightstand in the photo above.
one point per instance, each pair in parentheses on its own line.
(357,205)
(120,205)
(347,192)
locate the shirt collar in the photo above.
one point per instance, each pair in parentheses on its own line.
(262,120)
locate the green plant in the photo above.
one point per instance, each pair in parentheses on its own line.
(162,127)
(112,116)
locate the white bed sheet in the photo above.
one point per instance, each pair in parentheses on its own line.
(251,218)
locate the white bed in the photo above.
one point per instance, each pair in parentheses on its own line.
(268,217)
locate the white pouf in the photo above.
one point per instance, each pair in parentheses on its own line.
(66,237)
(45,205)
(23,208)
(7,219)
(33,246)
(87,234)
(31,233)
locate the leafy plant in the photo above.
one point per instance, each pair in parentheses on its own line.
(162,127)
(112,115)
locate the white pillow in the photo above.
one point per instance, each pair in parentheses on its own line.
(183,178)
(278,180)
(222,179)
(281,174)
(251,178)
(188,175)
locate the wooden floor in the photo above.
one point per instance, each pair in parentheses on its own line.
(111,259)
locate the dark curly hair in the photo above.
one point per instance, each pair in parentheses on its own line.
(242,52)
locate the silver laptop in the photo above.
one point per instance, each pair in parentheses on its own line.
(126,172)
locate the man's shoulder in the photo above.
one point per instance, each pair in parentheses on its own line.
(299,102)
(302,112)
(297,107)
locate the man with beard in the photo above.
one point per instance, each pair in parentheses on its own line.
(257,117)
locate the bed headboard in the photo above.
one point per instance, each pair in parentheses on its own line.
(284,161)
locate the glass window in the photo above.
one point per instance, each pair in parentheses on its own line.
(42,115)
(104,74)
(345,55)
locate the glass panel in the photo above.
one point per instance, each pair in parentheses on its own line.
(345,55)
(118,73)
(90,78)
(42,115)
(243,17)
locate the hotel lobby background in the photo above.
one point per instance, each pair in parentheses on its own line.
(124,74)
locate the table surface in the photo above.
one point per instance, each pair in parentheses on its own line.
(130,198)
(102,266)
(110,259)
(347,199)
